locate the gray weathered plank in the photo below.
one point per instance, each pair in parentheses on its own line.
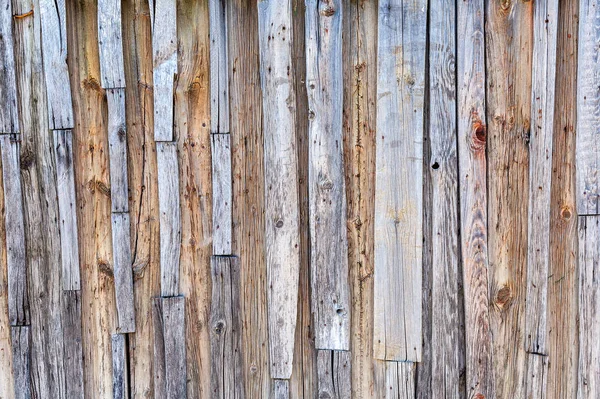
(219,67)
(158,349)
(73,351)
(9,113)
(399,180)
(54,52)
(21,361)
(110,44)
(117,144)
(18,299)
(164,46)
(119,363)
(334,378)
(589,307)
(222,194)
(545,26)
(588,107)
(170,217)
(281,181)
(123,273)
(537,375)
(281,389)
(394,380)
(327,188)
(226,329)
(472,167)
(65,182)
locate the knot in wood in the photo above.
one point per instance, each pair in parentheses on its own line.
(328,11)
(566,213)
(219,327)
(279,224)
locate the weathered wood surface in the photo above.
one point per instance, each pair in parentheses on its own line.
(21,360)
(327,188)
(117,145)
(122,270)
(170,217)
(334,374)
(119,362)
(9,113)
(110,44)
(399,180)
(54,49)
(537,375)
(222,193)
(281,184)
(73,354)
(219,67)
(6,377)
(65,183)
(280,389)
(545,24)
(472,168)
(394,379)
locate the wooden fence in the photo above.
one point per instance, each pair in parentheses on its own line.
(288,198)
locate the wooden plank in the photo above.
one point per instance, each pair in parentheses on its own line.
(18,298)
(226,329)
(120,372)
(73,353)
(281,185)
(334,374)
(117,145)
(545,23)
(222,193)
(588,103)
(281,389)
(159,349)
(170,217)
(21,360)
(164,46)
(399,180)
(473,197)
(327,188)
(65,182)
(395,379)
(54,49)
(9,113)
(110,44)
(537,375)
(219,67)
(122,269)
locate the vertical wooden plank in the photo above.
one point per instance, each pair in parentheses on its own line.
(327,188)
(219,67)
(174,341)
(159,349)
(281,185)
(170,217)
(120,372)
(333,374)
(21,350)
(110,44)
(122,269)
(473,197)
(545,21)
(65,181)
(9,116)
(54,49)
(281,389)
(399,180)
(537,374)
(117,145)
(395,379)
(222,193)
(73,361)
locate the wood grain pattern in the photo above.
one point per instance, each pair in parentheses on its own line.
(219,67)
(117,145)
(9,113)
(122,269)
(159,371)
(399,180)
(110,44)
(334,374)
(21,355)
(537,375)
(281,389)
(545,22)
(222,193)
(394,379)
(73,353)
(281,186)
(119,361)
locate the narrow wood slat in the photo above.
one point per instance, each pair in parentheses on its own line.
(123,273)
(67,207)
(219,67)
(9,113)
(110,44)
(588,105)
(117,144)
(225,329)
(473,197)
(170,217)
(21,361)
(537,376)
(281,182)
(73,351)
(222,194)
(158,349)
(120,371)
(334,374)
(18,299)
(327,188)
(54,52)
(399,180)
(281,389)
(395,380)
(164,46)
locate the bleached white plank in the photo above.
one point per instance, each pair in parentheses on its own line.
(117,145)
(219,67)
(280,389)
(9,114)
(123,273)
(110,44)
(222,194)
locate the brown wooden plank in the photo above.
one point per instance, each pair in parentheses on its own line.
(117,144)
(21,360)
(119,361)
(110,44)
(122,269)
(9,113)
(222,195)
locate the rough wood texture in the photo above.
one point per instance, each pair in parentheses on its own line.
(73,356)
(122,269)
(545,22)
(537,375)
(281,389)
(9,115)
(226,329)
(219,67)
(6,376)
(473,197)
(281,185)
(399,180)
(117,145)
(21,360)
(110,44)
(394,380)
(329,244)
(65,182)
(119,361)
(222,193)
(334,374)
(54,49)
(170,217)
